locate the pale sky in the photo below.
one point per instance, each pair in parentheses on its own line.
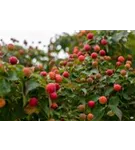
(30,36)
(34,35)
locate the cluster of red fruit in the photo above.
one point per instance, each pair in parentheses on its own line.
(91,104)
(87,48)
(52,89)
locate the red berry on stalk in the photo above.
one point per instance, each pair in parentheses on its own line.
(96,48)
(81,58)
(13,60)
(91,104)
(94,55)
(102,100)
(52,75)
(43,73)
(51,87)
(58,78)
(79,53)
(109,72)
(57,86)
(104,42)
(117,87)
(90,36)
(102,53)
(53,96)
(121,59)
(33,101)
(66,74)
(87,47)
(54,106)
(118,63)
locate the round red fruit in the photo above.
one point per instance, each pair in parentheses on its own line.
(57,86)
(96,48)
(102,100)
(58,78)
(27,71)
(118,63)
(121,59)
(54,106)
(109,72)
(117,87)
(53,96)
(13,60)
(90,36)
(33,101)
(51,87)
(66,74)
(87,47)
(104,42)
(94,55)
(91,104)
(81,58)
(43,73)
(102,53)
(52,75)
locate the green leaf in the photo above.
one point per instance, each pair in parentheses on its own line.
(12,75)
(94,97)
(117,111)
(108,91)
(4,87)
(31,85)
(98,113)
(118,36)
(114,101)
(84,91)
(125,95)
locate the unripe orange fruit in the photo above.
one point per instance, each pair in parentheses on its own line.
(127,66)
(90,116)
(81,108)
(2,102)
(102,100)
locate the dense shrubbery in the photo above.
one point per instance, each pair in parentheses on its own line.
(96,82)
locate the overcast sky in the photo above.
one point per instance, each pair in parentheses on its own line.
(34,35)
(30,36)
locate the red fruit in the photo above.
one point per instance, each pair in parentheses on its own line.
(57,86)
(81,58)
(54,106)
(91,104)
(90,36)
(102,53)
(51,88)
(81,108)
(21,52)
(123,72)
(58,78)
(90,80)
(102,100)
(79,53)
(117,87)
(10,46)
(43,73)
(76,50)
(87,47)
(52,75)
(33,101)
(96,48)
(118,63)
(109,72)
(104,42)
(121,59)
(53,96)
(95,63)
(66,74)
(90,116)
(13,60)
(94,55)
(27,71)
